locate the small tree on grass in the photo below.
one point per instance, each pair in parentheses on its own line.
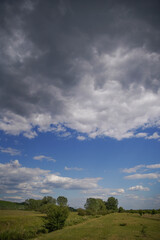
(140,212)
(56,217)
(121,210)
(95,206)
(48,199)
(62,201)
(112,204)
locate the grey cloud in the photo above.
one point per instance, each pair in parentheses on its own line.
(92,67)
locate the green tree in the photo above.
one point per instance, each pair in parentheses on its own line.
(33,204)
(153,211)
(62,201)
(95,206)
(48,199)
(140,212)
(121,209)
(81,212)
(56,217)
(112,204)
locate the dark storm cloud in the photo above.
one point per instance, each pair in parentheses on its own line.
(62,62)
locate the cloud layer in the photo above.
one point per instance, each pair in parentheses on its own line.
(61,69)
(32,182)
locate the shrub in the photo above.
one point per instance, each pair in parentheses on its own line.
(153,211)
(81,212)
(140,212)
(121,210)
(122,224)
(56,217)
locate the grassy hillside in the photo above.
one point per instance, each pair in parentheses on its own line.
(117,226)
(19,224)
(11,205)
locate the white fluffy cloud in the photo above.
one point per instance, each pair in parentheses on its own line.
(134,169)
(103,193)
(46,191)
(154,136)
(73,169)
(43,157)
(11,151)
(139,188)
(153,166)
(26,182)
(140,167)
(143,176)
(70,183)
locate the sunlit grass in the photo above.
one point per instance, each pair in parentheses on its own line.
(117,226)
(17,224)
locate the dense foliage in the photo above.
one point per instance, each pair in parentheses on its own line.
(95,206)
(56,217)
(62,201)
(41,205)
(112,204)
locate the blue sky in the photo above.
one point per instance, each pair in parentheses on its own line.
(80,101)
(99,168)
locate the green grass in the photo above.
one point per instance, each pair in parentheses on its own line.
(19,225)
(6,205)
(74,219)
(117,226)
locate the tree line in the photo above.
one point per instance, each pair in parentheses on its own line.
(56,210)
(97,206)
(39,205)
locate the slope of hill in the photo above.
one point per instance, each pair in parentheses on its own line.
(11,205)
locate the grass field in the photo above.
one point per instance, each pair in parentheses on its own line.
(117,226)
(20,225)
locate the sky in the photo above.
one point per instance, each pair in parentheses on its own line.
(80,101)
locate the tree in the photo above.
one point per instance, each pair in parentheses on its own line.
(112,204)
(33,204)
(62,201)
(48,199)
(95,206)
(153,211)
(56,217)
(140,212)
(121,209)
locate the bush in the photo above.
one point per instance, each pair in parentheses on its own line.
(153,211)
(121,210)
(140,212)
(81,212)
(56,217)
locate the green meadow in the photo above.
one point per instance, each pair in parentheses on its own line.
(115,226)
(19,225)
